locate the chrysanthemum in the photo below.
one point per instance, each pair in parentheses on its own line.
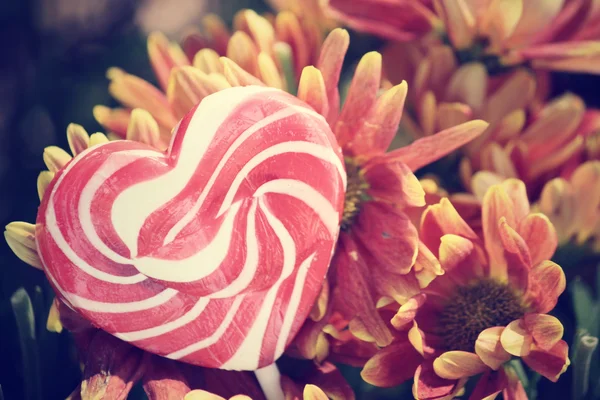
(375,231)
(554,35)
(490,306)
(572,205)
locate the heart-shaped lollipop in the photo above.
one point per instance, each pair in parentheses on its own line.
(212,253)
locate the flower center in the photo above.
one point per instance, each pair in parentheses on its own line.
(356,193)
(474,308)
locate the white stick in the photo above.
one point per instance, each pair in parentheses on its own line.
(269,379)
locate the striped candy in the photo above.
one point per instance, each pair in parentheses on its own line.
(212,253)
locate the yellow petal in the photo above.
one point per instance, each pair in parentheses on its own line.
(243,51)
(44,179)
(53,323)
(20,237)
(515,339)
(144,129)
(312,90)
(187,87)
(460,22)
(98,138)
(489,348)
(115,120)
(78,138)
(207,61)
(312,392)
(458,364)
(269,73)
(202,395)
(55,158)
(236,75)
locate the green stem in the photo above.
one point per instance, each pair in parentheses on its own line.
(585,346)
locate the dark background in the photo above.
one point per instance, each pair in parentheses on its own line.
(54,55)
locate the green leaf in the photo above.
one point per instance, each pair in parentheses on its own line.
(23,311)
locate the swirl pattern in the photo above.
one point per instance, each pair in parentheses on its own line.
(211,253)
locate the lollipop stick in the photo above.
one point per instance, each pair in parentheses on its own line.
(270,382)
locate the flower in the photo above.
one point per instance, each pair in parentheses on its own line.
(399,20)
(309,10)
(547,35)
(572,205)
(489,306)
(375,230)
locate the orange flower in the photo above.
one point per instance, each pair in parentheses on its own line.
(490,305)
(572,205)
(309,10)
(552,35)
(375,230)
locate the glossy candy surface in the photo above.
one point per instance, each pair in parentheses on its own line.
(211,253)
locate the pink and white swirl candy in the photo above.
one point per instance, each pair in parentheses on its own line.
(212,253)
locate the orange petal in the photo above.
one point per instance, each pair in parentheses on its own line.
(551,363)
(394,183)
(242,50)
(514,390)
(312,90)
(135,92)
(258,27)
(540,236)
(164,56)
(290,31)
(452,114)
(482,181)
(555,160)
(500,20)
(320,307)
(496,205)
(495,158)
(427,113)
(458,364)
(545,329)
(55,158)
(115,120)
(514,244)
(20,237)
(509,127)
(515,339)
(389,235)
(361,97)
(489,386)
(207,61)
(429,149)
(453,251)
(187,87)
(442,219)
(547,282)
(516,93)
(426,267)
(330,64)
(385,370)
(237,76)
(381,125)
(558,201)
(144,129)
(199,394)
(429,385)
(408,311)
(43,181)
(489,348)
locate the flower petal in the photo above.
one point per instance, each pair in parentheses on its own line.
(427,267)
(394,183)
(549,363)
(469,85)
(20,237)
(496,204)
(516,255)
(489,386)
(199,394)
(53,323)
(489,348)
(359,101)
(545,329)
(389,235)
(515,338)
(55,158)
(312,392)
(237,76)
(408,311)
(330,64)
(243,51)
(431,148)
(460,22)
(144,129)
(268,71)
(380,127)
(429,386)
(547,282)
(43,181)
(78,139)
(442,219)
(187,87)
(458,364)
(164,56)
(514,389)
(352,295)
(540,236)
(312,90)
(114,119)
(384,368)
(163,380)
(207,61)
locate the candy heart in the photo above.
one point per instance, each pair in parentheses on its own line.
(211,253)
